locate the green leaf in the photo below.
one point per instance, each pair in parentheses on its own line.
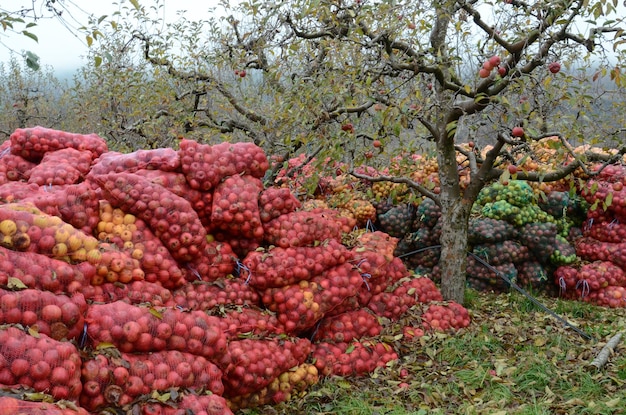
(609,199)
(89,40)
(30,35)
(97,61)
(156,313)
(135,4)
(32,60)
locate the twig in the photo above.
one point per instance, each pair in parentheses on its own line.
(606,351)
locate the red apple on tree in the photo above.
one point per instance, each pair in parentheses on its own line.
(494,61)
(554,67)
(501,70)
(377,144)
(484,73)
(348,127)
(517,132)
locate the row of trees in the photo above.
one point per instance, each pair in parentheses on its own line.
(331,77)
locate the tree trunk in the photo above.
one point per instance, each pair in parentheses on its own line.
(453,262)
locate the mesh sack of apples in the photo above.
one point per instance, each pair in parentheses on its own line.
(37,361)
(205,296)
(164,159)
(135,292)
(56,315)
(197,404)
(12,166)
(206,165)
(170,217)
(236,206)
(14,405)
(65,166)
(33,143)
(112,379)
(143,329)
(32,270)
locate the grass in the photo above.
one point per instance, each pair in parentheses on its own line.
(513,359)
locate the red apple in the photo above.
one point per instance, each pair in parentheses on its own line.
(484,73)
(377,143)
(517,132)
(494,61)
(501,70)
(554,67)
(512,169)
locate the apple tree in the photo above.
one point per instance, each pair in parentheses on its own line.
(331,78)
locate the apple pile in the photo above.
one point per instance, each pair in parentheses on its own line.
(176,269)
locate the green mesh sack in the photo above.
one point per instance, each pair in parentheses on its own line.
(516,192)
(564,252)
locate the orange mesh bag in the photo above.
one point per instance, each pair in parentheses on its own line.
(16,406)
(236,207)
(277,267)
(119,380)
(357,358)
(205,296)
(254,363)
(165,159)
(206,165)
(33,143)
(55,315)
(41,272)
(65,166)
(145,329)
(39,362)
(170,217)
(422,289)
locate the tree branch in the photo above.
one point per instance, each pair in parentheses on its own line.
(401,180)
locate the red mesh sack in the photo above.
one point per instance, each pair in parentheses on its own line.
(277,267)
(216,261)
(390,305)
(566,278)
(16,406)
(16,191)
(421,289)
(26,228)
(65,166)
(189,403)
(300,306)
(39,362)
(136,292)
(206,165)
(165,159)
(135,238)
(609,296)
(12,167)
(205,296)
(236,206)
(114,265)
(254,363)
(348,326)
(41,272)
(600,274)
(118,381)
(275,201)
(445,317)
(281,389)
(612,231)
(351,359)
(302,228)
(145,329)
(250,321)
(33,143)
(170,217)
(55,315)
(240,246)
(176,183)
